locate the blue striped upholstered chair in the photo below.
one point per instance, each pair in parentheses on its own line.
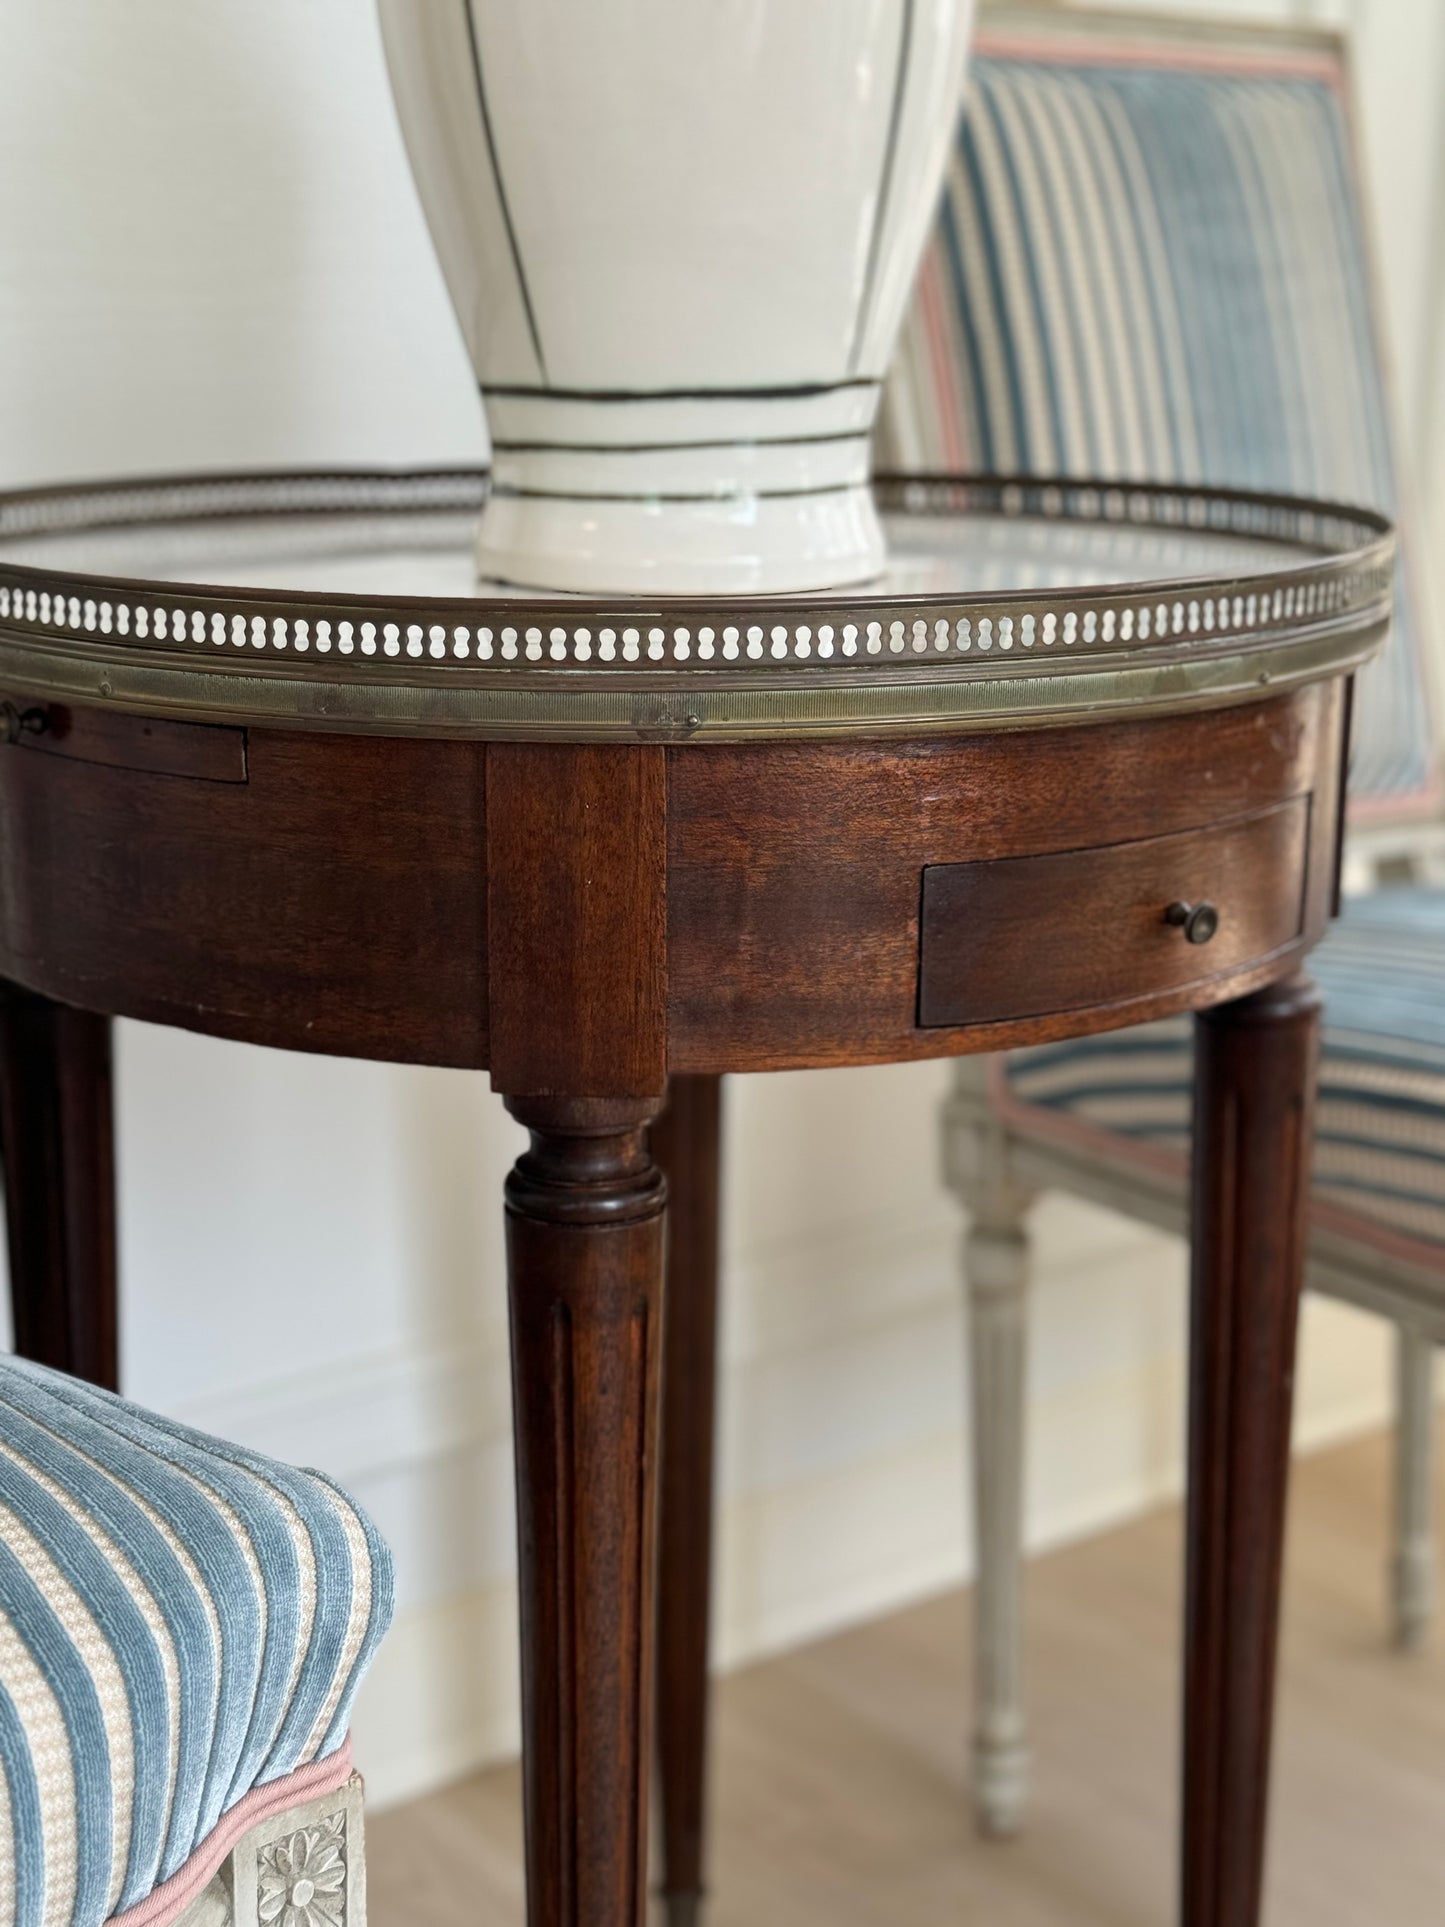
(182,1628)
(1150,264)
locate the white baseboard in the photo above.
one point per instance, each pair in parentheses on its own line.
(442,1698)
(793,1565)
(843,1492)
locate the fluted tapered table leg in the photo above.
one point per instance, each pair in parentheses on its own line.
(585,1260)
(56,1137)
(687,1143)
(1254,1096)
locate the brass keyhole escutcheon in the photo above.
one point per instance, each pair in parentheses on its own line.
(16,722)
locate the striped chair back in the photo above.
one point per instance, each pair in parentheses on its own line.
(1150,264)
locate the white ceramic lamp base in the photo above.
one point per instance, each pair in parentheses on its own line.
(748,545)
(683,494)
(679,236)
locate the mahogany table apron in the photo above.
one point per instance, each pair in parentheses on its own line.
(588,920)
(769,898)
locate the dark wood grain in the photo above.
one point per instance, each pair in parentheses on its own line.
(336,901)
(577,876)
(576,862)
(687,1144)
(56,1143)
(1092,923)
(585,1262)
(590,920)
(204,752)
(1254,1094)
(795,878)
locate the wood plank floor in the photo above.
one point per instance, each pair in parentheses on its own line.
(840,1791)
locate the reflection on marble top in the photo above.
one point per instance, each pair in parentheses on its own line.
(429,554)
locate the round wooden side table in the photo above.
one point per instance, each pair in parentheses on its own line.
(278,772)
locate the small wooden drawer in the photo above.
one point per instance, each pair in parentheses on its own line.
(152,745)
(1095,924)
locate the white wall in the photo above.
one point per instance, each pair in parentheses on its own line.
(210,256)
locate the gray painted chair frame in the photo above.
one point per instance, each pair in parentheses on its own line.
(998,1170)
(306,1866)
(949,402)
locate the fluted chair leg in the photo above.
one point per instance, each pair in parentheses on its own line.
(1412,1575)
(996,1260)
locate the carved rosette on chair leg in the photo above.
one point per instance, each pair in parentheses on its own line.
(1254,1099)
(686,1141)
(585,1260)
(56,1141)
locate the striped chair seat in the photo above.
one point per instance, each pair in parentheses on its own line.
(183,1625)
(1380,1125)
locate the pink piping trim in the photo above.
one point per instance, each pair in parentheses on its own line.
(1418,805)
(1083,52)
(936,329)
(171,1899)
(1040,1121)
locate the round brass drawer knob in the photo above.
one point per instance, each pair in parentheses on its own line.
(1198,921)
